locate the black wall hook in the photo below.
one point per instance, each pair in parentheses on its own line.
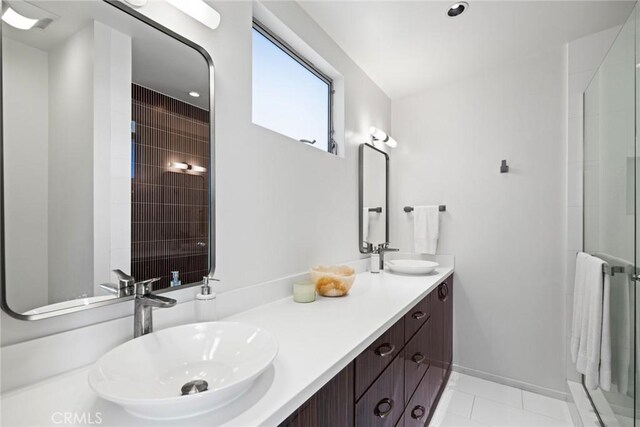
(504,168)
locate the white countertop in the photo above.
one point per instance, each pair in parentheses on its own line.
(316,341)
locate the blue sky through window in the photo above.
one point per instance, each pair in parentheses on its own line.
(287,97)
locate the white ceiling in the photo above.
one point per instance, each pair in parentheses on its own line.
(408,46)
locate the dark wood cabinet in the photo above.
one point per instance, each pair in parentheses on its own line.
(371,362)
(333,405)
(383,403)
(398,380)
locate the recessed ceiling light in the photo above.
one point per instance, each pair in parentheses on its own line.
(194,94)
(457,9)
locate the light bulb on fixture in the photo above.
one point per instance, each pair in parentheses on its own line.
(381,136)
(179,165)
(195,168)
(198,10)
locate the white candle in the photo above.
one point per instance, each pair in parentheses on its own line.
(304,291)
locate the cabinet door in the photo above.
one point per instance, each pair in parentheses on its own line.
(332,405)
(382,404)
(436,352)
(371,362)
(448,323)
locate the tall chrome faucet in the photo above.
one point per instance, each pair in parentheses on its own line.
(144,300)
(382,249)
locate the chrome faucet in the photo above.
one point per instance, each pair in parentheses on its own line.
(144,300)
(382,248)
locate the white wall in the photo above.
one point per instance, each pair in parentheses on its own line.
(281,206)
(505,230)
(71,167)
(25,86)
(111,154)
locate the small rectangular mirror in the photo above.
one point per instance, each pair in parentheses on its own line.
(107,156)
(373,198)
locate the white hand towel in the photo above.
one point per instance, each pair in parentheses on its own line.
(365,224)
(578,301)
(594,351)
(426,229)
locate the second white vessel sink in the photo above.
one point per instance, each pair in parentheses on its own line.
(184,371)
(412,266)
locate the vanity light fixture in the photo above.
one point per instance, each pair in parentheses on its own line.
(25,16)
(198,10)
(187,167)
(194,94)
(457,9)
(380,136)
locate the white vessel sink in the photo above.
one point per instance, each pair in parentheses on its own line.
(146,375)
(411,266)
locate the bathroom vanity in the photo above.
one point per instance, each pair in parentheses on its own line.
(338,362)
(398,379)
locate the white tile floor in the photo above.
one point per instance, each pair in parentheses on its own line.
(471,401)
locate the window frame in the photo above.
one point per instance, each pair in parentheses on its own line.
(332,147)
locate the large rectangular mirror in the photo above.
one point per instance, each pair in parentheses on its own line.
(373,198)
(107,155)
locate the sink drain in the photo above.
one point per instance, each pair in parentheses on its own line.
(195,386)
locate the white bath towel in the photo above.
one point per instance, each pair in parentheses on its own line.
(426,229)
(594,350)
(578,298)
(621,325)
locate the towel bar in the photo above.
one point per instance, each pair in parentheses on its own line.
(612,270)
(441,208)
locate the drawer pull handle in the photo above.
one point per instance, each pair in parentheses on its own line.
(418,358)
(418,412)
(385,349)
(418,315)
(443,292)
(383,408)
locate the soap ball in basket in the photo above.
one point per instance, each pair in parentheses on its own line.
(334,280)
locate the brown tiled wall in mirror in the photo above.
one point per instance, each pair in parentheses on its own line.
(170,211)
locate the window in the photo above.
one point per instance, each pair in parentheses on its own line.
(290,95)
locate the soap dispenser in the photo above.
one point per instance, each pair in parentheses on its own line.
(206,310)
(375,261)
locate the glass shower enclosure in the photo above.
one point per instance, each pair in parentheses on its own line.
(610,222)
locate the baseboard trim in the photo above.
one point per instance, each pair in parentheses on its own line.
(511,382)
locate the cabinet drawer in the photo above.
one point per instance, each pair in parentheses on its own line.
(417,316)
(416,358)
(382,404)
(371,362)
(419,407)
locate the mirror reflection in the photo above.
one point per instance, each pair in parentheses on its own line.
(106,145)
(374,221)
